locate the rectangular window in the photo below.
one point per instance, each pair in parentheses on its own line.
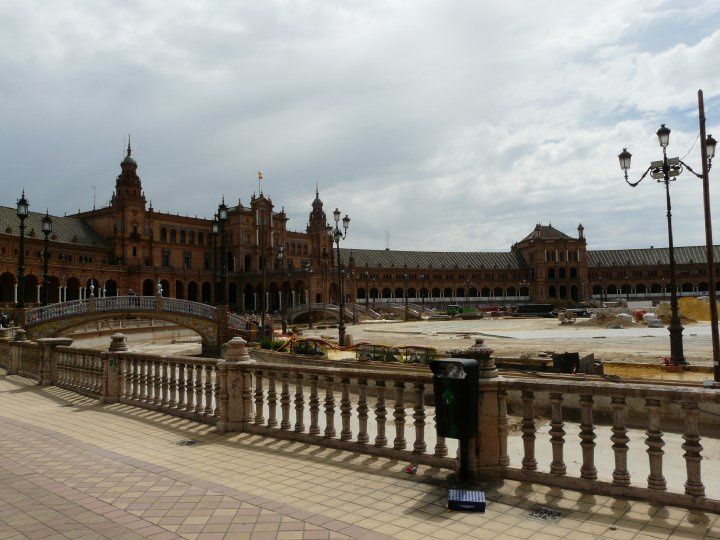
(166,258)
(187,260)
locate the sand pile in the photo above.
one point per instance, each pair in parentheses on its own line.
(607,321)
(686,314)
(694,308)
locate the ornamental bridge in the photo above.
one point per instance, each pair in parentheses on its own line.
(215,325)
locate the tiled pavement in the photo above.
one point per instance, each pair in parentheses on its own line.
(70,468)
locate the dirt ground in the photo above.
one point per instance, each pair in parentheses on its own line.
(517,337)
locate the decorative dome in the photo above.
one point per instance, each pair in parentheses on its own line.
(128,161)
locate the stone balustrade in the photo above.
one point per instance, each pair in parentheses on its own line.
(183,386)
(385,412)
(654,399)
(79,370)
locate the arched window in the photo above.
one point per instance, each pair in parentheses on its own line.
(436,293)
(485,292)
(573,272)
(386,293)
(163,234)
(173,235)
(562,273)
(551,273)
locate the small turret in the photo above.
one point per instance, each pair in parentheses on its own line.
(581,231)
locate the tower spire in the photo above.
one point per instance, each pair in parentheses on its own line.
(129,148)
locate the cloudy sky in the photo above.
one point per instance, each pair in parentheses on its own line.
(456,125)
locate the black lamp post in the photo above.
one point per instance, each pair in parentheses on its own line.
(665,171)
(524,284)
(367,290)
(46,229)
(405,295)
(222,218)
(288,296)
(215,231)
(336,235)
(308,268)
(23,208)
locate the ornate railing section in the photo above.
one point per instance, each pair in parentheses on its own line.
(30,360)
(648,403)
(120,304)
(79,370)
(5,354)
(373,412)
(184,387)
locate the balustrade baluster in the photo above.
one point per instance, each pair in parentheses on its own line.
(172,384)
(216,392)
(503,428)
(587,438)
(380,414)
(419,446)
(135,379)
(127,372)
(621,475)
(314,406)
(272,400)
(247,395)
(181,387)
(345,410)
(143,380)
(208,390)
(362,411)
(189,388)
(157,396)
(285,401)
(259,395)
(655,443)
(529,463)
(399,443)
(198,390)
(693,485)
(164,385)
(299,404)
(329,408)
(557,434)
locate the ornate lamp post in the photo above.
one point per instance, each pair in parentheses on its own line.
(46,229)
(222,218)
(215,231)
(23,209)
(665,171)
(307,265)
(422,296)
(366,273)
(336,235)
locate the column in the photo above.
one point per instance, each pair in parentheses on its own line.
(15,293)
(38,293)
(60,294)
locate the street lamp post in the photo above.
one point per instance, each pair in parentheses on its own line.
(665,171)
(405,295)
(308,268)
(46,229)
(367,290)
(627,289)
(288,295)
(23,208)
(215,231)
(222,218)
(524,285)
(336,235)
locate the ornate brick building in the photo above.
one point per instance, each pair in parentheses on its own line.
(128,246)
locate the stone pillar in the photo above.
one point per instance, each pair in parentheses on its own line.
(48,363)
(111,371)
(234,388)
(15,293)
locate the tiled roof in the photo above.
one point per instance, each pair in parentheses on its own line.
(548,232)
(65,230)
(649,256)
(385,258)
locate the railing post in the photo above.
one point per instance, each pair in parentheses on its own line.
(111,372)
(48,362)
(693,449)
(235,384)
(655,443)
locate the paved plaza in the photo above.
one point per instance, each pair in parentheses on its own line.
(70,468)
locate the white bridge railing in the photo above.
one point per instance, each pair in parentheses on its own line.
(120,304)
